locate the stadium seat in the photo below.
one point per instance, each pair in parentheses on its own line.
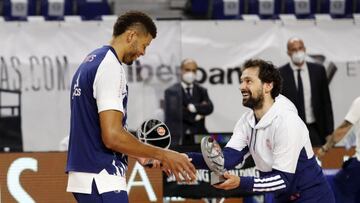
(18,9)
(356,6)
(301,8)
(92,9)
(56,9)
(227,9)
(199,7)
(337,8)
(266,9)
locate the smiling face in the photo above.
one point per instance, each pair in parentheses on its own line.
(252,88)
(137,46)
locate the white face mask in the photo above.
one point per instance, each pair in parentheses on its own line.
(188,77)
(298,57)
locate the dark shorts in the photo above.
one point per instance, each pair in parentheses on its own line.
(347,182)
(107,197)
(319,193)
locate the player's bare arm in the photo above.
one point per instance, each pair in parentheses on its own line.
(116,138)
(335,137)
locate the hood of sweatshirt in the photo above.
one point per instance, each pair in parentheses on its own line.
(281,105)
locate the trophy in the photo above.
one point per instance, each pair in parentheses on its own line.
(214,159)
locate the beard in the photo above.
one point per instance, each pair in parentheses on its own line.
(254,102)
(129,59)
(130,56)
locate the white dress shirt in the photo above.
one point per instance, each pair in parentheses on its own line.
(191,86)
(353,116)
(304,73)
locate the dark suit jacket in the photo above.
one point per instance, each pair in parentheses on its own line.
(320,95)
(178,118)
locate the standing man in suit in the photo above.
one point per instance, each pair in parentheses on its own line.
(306,85)
(186,105)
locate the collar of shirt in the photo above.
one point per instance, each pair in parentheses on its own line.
(184,86)
(295,67)
(304,72)
(310,118)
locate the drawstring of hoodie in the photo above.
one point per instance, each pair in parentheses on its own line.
(253,134)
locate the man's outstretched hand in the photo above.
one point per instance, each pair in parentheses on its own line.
(180,165)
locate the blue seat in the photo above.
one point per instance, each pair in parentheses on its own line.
(18,11)
(290,9)
(199,7)
(218,10)
(92,9)
(356,8)
(263,9)
(56,11)
(337,10)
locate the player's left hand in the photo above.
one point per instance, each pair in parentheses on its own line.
(231,182)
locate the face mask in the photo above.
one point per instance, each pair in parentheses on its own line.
(189,77)
(298,57)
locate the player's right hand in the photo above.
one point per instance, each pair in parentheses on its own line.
(178,164)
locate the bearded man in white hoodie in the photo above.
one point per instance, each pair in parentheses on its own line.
(277,139)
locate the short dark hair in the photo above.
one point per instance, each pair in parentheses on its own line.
(134,18)
(267,73)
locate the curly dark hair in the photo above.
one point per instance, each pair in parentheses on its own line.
(132,19)
(267,73)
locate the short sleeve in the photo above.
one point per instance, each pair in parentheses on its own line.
(353,115)
(110,84)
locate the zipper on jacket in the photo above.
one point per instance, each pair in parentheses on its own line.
(251,138)
(251,135)
(254,139)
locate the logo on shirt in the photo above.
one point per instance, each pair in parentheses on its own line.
(89,58)
(77,89)
(161,131)
(268,144)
